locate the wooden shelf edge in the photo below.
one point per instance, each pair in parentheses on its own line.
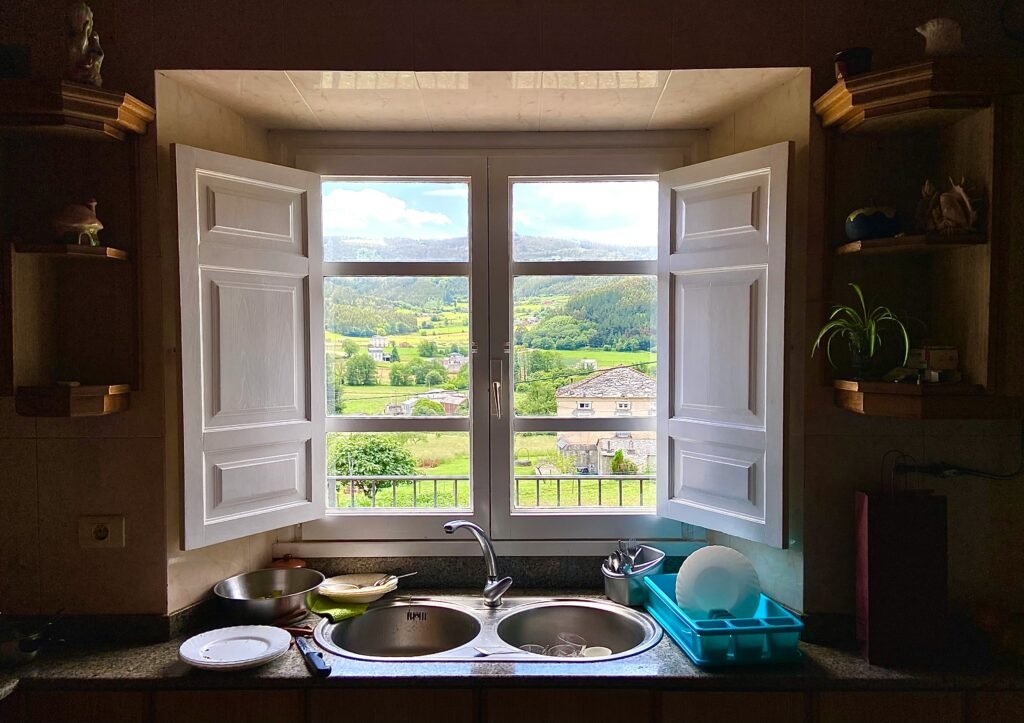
(73,108)
(954,404)
(63,401)
(907,244)
(930,93)
(93,252)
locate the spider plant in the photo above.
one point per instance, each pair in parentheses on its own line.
(861,330)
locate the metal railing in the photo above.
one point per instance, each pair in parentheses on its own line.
(632,491)
(354,492)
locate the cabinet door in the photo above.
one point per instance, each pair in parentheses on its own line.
(694,707)
(998,707)
(423,705)
(546,705)
(228,706)
(904,707)
(84,706)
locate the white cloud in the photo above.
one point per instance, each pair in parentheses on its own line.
(347,212)
(600,211)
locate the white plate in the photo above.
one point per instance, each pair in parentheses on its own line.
(335,588)
(718,578)
(235,648)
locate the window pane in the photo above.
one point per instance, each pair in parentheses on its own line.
(397,345)
(401,220)
(398,470)
(579,220)
(584,345)
(560,470)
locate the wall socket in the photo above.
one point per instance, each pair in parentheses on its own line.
(101,531)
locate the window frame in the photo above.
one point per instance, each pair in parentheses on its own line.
(490,230)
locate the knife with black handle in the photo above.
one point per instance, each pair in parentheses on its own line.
(314,658)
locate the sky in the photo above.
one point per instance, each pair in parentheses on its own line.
(598,211)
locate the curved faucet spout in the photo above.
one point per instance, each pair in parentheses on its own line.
(493,588)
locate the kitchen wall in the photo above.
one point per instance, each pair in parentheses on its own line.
(55,470)
(782,114)
(187,117)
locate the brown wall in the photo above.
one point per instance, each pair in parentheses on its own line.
(120,462)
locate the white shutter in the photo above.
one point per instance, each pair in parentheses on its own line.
(251,351)
(721,302)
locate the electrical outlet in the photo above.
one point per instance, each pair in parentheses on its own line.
(101,531)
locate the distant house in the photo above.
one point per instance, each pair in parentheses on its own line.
(615,392)
(454,362)
(450,401)
(394,410)
(380,349)
(588,365)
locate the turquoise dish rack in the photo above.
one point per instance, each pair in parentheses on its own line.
(771,636)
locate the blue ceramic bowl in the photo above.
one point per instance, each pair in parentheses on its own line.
(872,222)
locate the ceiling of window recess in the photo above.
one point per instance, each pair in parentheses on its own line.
(604,100)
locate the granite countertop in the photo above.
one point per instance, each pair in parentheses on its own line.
(665,665)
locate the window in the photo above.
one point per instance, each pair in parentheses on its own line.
(555,346)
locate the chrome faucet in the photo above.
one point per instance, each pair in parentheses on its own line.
(493,588)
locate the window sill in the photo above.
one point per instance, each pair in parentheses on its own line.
(469,548)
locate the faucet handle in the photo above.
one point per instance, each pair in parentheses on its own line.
(494,589)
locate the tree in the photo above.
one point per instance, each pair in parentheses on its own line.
(536,398)
(460,380)
(361,370)
(434,378)
(427,408)
(335,379)
(350,347)
(428,349)
(368,455)
(394,353)
(420,368)
(621,465)
(399,375)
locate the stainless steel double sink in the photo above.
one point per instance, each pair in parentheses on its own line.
(461,628)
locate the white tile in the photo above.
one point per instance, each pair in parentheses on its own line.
(483,101)
(599,100)
(267,98)
(699,98)
(364,100)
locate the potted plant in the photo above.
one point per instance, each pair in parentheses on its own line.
(862,333)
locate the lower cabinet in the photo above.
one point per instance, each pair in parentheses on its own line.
(906,707)
(700,707)
(507,705)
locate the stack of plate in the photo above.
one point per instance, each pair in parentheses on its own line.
(718,581)
(357,588)
(235,648)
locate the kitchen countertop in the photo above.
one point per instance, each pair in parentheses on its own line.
(155,666)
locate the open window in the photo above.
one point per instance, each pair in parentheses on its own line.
(692,432)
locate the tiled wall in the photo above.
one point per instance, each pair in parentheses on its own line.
(184,116)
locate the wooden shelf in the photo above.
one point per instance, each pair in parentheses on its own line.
(63,107)
(72,250)
(932,93)
(925,401)
(65,401)
(918,243)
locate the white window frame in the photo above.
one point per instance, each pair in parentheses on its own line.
(492,502)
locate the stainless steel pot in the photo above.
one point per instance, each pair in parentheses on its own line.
(273,595)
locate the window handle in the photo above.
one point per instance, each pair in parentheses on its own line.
(496,394)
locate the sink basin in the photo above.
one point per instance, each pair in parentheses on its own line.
(614,627)
(454,628)
(405,630)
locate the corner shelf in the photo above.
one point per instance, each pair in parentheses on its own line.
(72,250)
(66,108)
(66,401)
(929,94)
(907,244)
(925,401)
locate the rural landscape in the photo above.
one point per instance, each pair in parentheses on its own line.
(399,346)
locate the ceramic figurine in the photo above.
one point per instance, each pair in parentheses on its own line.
(948,212)
(77,224)
(942,37)
(85,56)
